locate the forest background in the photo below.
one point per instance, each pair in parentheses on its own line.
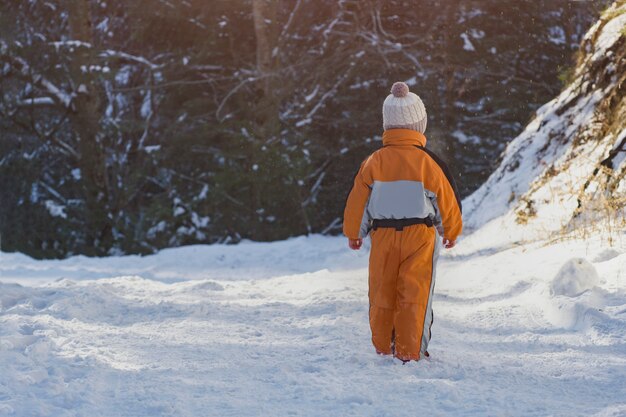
(126,127)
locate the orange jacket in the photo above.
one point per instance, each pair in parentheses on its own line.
(403,180)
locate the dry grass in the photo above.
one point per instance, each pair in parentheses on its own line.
(614,10)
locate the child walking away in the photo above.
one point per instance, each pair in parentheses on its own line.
(403,195)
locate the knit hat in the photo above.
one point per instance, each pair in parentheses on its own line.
(403,109)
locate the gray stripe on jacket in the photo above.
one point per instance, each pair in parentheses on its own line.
(401,199)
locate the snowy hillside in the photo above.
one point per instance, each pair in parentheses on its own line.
(567,170)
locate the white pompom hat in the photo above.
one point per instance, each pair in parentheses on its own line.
(404,110)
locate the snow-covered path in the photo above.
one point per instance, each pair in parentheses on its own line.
(281,329)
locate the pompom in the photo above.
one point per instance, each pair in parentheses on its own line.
(399,89)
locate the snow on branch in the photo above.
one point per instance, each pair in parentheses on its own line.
(283,33)
(36,101)
(315,189)
(233,91)
(109,53)
(309,117)
(26,71)
(123,55)
(70,44)
(206,68)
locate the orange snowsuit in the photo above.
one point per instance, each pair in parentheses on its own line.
(402,180)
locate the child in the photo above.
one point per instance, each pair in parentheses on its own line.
(402,193)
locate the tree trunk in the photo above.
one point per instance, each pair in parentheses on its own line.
(267,110)
(85,120)
(449,80)
(264,14)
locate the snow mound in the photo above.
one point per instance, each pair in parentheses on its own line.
(575,297)
(582,314)
(575,277)
(202,262)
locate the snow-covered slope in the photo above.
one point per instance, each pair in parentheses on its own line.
(567,170)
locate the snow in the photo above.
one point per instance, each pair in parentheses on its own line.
(200,221)
(303,122)
(575,277)
(611,32)
(282,329)
(528,322)
(158,228)
(203,193)
(103,26)
(129,57)
(557,35)
(152,148)
(55,209)
(146,106)
(76,174)
(463,138)
(546,171)
(541,163)
(312,95)
(621,156)
(37,101)
(60,95)
(411,81)
(71,44)
(467,44)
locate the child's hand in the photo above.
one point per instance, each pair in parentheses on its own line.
(448,244)
(355,244)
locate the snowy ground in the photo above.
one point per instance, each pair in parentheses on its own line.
(281,329)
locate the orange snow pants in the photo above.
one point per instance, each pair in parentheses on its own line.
(401,281)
